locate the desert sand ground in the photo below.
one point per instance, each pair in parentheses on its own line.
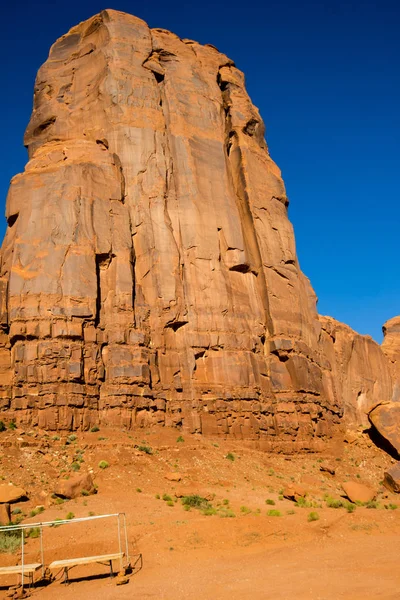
(239,552)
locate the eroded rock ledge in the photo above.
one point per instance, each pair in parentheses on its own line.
(149,271)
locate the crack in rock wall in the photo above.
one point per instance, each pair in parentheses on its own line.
(149,274)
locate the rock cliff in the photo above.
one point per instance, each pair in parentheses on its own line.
(149,272)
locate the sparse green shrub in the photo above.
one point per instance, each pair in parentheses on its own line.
(225,501)
(95,429)
(34,532)
(138,490)
(12,425)
(75,466)
(55,438)
(196,501)
(10,541)
(145,449)
(333,502)
(103,464)
(17,511)
(226,513)
(70,516)
(209,511)
(166,498)
(72,438)
(180,439)
(280,497)
(303,502)
(36,511)
(313,516)
(91,513)
(245,510)
(170,503)
(157,496)
(56,524)
(230,456)
(274,513)
(291,512)
(391,506)
(2,426)
(85,493)
(349,506)
(372,504)
(270,502)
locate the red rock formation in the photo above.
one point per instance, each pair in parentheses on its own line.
(149,272)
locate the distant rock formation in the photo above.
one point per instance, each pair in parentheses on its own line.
(149,271)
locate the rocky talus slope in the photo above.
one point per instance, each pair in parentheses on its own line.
(149,272)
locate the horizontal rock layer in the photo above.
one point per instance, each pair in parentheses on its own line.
(149,272)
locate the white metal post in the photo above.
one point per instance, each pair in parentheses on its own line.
(119,543)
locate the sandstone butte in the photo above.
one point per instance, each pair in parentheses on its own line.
(149,274)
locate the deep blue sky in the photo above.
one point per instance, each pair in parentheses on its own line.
(325,76)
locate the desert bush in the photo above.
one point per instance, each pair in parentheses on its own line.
(245,510)
(194,501)
(75,466)
(372,504)
(230,456)
(274,513)
(94,429)
(10,541)
(70,516)
(270,502)
(34,532)
(103,464)
(333,502)
(313,516)
(145,449)
(209,511)
(349,506)
(226,513)
(2,426)
(166,498)
(303,502)
(180,439)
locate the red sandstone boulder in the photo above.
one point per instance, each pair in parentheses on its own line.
(5,514)
(392,478)
(173,476)
(386,419)
(10,493)
(75,486)
(358,492)
(294,492)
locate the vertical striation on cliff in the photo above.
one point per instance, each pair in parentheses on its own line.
(149,271)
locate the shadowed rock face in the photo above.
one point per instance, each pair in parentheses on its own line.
(149,272)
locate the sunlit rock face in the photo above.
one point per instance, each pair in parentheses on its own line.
(149,272)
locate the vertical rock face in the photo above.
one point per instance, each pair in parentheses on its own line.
(149,272)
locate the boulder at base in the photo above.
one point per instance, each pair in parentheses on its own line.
(5,514)
(386,419)
(10,493)
(358,492)
(75,486)
(294,492)
(391,478)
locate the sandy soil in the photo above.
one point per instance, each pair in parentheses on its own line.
(240,552)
